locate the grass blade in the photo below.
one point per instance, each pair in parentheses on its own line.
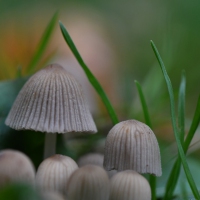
(43,44)
(193,127)
(181,108)
(152,179)
(144,105)
(176,133)
(173,178)
(89,74)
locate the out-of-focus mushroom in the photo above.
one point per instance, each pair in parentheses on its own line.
(54,172)
(51,101)
(129,185)
(88,182)
(15,166)
(132,145)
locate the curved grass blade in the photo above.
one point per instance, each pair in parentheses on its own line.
(152,179)
(89,74)
(176,133)
(173,178)
(174,175)
(193,127)
(43,44)
(144,105)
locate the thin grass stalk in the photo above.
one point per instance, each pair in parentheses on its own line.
(42,44)
(175,129)
(152,179)
(174,174)
(89,74)
(193,127)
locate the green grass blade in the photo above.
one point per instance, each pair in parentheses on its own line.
(181,108)
(193,127)
(173,178)
(43,44)
(89,74)
(152,179)
(144,105)
(176,133)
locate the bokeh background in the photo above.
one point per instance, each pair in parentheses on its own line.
(113,38)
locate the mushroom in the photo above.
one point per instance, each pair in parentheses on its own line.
(132,145)
(51,101)
(129,185)
(54,172)
(88,182)
(15,166)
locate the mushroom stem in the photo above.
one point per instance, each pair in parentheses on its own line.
(49,145)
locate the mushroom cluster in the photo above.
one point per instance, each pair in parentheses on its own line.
(52,102)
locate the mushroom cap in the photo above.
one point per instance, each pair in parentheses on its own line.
(51,101)
(54,172)
(129,185)
(88,182)
(132,145)
(15,166)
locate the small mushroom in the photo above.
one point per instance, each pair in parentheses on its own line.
(132,145)
(88,182)
(129,185)
(51,101)
(54,172)
(15,166)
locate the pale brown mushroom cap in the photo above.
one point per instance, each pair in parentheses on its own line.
(89,182)
(15,166)
(132,145)
(129,185)
(51,101)
(54,172)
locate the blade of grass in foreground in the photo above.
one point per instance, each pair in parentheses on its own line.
(173,178)
(174,175)
(176,133)
(43,44)
(89,74)
(152,179)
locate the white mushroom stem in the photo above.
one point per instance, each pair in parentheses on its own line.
(50,144)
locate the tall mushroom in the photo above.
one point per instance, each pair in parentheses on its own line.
(51,101)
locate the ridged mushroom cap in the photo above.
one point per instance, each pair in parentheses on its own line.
(132,145)
(51,101)
(54,172)
(88,182)
(129,185)
(15,166)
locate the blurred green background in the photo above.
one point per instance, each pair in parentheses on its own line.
(113,38)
